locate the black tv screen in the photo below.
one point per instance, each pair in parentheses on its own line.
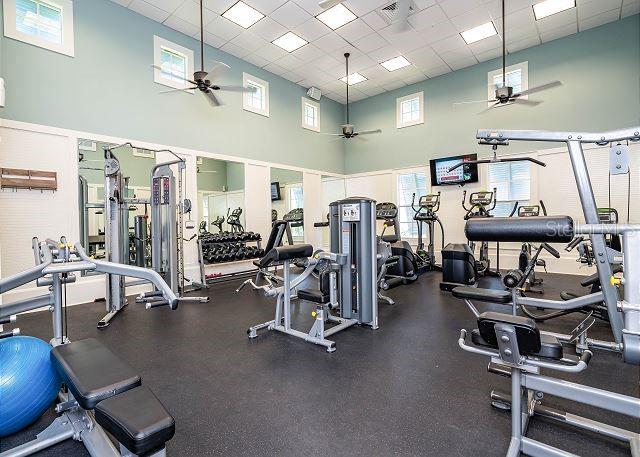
(441,176)
(275,191)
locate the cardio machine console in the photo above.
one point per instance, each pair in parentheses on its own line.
(429,201)
(481,198)
(528,211)
(386,211)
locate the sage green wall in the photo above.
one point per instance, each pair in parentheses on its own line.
(235,176)
(212,175)
(284,177)
(137,169)
(108,88)
(599,69)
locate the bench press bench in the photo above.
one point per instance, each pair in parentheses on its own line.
(104,395)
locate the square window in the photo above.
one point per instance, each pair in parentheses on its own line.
(516,76)
(512,181)
(174,64)
(410,110)
(44,23)
(408,184)
(310,115)
(258,100)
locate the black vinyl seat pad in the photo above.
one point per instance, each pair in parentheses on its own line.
(315,296)
(287,252)
(92,372)
(479,294)
(550,347)
(137,419)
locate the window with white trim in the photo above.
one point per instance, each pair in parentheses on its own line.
(410,110)
(173,64)
(296,201)
(256,101)
(408,184)
(516,76)
(512,181)
(310,115)
(44,23)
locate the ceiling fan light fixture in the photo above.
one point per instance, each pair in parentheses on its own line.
(479,33)
(243,15)
(336,16)
(353,78)
(551,7)
(396,63)
(290,42)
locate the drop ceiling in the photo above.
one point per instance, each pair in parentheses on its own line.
(432,42)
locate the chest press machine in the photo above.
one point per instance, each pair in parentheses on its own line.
(348,276)
(103,393)
(519,349)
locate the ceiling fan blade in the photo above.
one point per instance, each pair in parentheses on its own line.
(331,134)
(178,90)
(213,100)
(533,90)
(474,101)
(218,69)
(522,101)
(237,88)
(326,4)
(490,108)
(401,19)
(368,132)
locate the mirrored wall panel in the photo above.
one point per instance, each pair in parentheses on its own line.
(287,200)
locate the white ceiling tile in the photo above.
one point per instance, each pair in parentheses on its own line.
(265,6)
(249,41)
(487,44)
(384,53)
(190,11)
(438,32)
(271,52)
(374,21)
(290,15)
(374,72)
(438,71)
(166,5)
(275,68)
(211,39)
(406,40)
(223,28)
(528,42)
(462,63)
(454,42)
(182,26)
(600,19)
(519,25)
(122,2)
(359,62)
(362,7)
(413,77)
(393,85)
(559,32)
(330,42)
(219,6)
(289,62)
(495,6)
(256,59)
(308,53)
(422,4)
(373,90)
(293,76)
(427,18)
(268,29)
(148,10)
(311,30)
(354,30)
(590,8)
(425,58)
(234,49)
(370,43)
(327,62)
(473,18)
(630,9)
(554,22)
(310,6)
(457,54)
(488,55)
(453,8)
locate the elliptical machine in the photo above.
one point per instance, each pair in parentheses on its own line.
(428,206)
(480,205)
(406,268)
(233,220)
(532,283)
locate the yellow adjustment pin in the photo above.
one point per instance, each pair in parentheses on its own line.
(314,314)
(615,281)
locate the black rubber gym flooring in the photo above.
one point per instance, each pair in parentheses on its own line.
(405,389)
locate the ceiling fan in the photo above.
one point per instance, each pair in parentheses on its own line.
(504,94)
(347,129)
(400,19)
(202,80)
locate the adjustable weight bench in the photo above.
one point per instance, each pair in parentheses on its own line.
(104,395)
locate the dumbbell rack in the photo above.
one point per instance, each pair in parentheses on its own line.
(230,247)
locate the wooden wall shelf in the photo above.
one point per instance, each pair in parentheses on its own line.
(16,178)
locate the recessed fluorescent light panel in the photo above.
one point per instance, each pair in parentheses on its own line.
(550,7)
(337,16)
(396,63)
(479,33)
(243,15)
(354,78)
(289,42)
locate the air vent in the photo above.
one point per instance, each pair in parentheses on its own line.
(388,13)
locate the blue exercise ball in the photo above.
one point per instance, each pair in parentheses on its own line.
(28,382)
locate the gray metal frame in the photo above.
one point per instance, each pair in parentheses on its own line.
(56,262)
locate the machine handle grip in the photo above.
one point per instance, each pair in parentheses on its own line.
(157,303)
(8,319)
(576,241)
(9,333)
(551,250)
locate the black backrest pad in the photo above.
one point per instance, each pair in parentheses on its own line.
(92,372)
(541,229)
(287,252)
(526,330)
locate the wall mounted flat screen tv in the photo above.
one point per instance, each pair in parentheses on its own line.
(441,176)
(275,191)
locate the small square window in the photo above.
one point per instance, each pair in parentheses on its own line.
(44,23)
(410,110)
(258,100)
(310,115)
(516,76)
(174,62)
